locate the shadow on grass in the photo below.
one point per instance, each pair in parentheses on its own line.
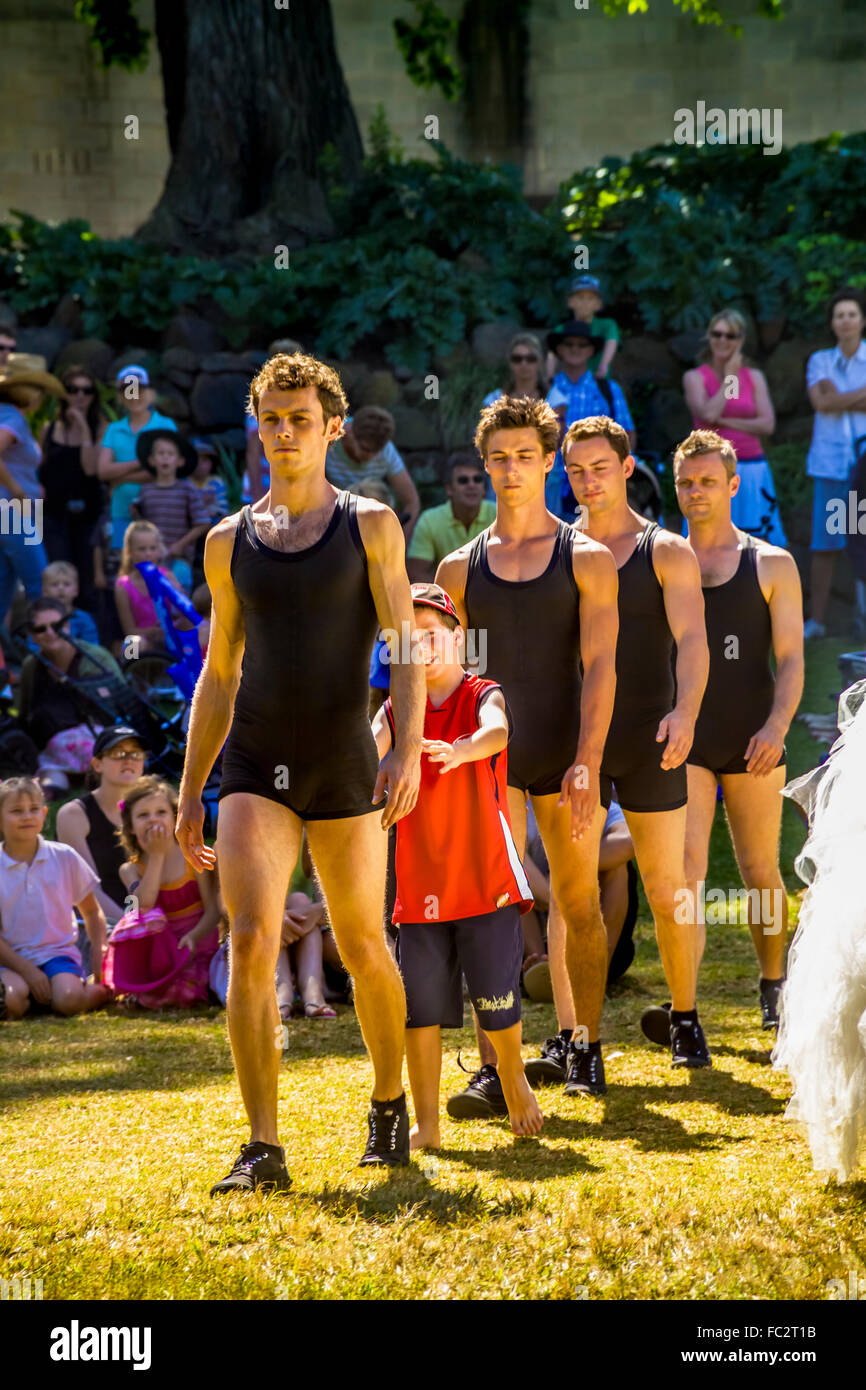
(409,1192)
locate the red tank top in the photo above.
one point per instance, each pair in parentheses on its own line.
(456,856)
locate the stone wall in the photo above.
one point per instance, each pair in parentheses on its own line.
(596,86)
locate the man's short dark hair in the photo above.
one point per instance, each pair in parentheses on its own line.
(461,458)
(846,292)
(46,605)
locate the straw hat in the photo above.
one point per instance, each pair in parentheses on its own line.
(13,386)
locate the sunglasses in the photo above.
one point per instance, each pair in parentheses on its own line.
(119,755)
(81,391)
(717,333)
(8,347)
(465,478)
(39,628)
(523,357)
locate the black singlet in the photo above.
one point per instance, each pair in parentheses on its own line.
(105,848)
(301,733)
(740,689)
(532,631)
(645,689)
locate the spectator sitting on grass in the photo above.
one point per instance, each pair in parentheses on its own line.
(366,452)
(301,945)
(443,529)
(159,877)
(172,503)
(60,582)
(142,543)
(90,823)
(58,720)
(40,884)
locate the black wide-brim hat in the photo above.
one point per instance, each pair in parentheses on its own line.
(146,440)
(575,328)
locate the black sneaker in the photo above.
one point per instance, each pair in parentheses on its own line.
(689,1046)
(770,991)
(388,1139)
(549,1068)
(655,1024)
(584,1072)
(483,1098)
(259,1167)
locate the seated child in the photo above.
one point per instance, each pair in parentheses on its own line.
(158,876)
(135,610)
(301,944)
(40,883)
(60,581)
(460,884)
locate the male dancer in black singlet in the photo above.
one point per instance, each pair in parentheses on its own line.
(299,584)
(654,713)
(543,596)
(754,609)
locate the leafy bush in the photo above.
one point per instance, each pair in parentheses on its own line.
(424,250)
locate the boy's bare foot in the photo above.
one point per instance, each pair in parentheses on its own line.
(423,1138)
(96,996)
(524,1111)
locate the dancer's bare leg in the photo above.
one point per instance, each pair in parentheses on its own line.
(659,843)
(700,814)
(754,809)
(258,842)
(350,856)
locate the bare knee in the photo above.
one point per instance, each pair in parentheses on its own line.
(69,999)
(298,902)
(17,996)
(364,956)
(253,946)
(760,873)
(696,864)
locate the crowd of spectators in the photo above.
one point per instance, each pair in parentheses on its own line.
(105,483)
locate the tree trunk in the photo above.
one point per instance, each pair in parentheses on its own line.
(253,95)
(494,44)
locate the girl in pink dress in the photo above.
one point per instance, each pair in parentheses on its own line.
(161,882)
(142,541)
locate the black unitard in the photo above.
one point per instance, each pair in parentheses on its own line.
(645,690)
(301,733)
(740,689)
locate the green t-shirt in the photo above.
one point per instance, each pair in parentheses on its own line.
(602,328)
(438,531)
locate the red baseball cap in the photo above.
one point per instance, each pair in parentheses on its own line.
(432,596)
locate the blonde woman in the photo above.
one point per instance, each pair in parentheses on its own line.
(725,395)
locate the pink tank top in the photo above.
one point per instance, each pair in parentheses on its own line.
(748,446)
(143,611)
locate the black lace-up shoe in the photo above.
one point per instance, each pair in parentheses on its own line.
(260,1167)
(655,1023)
(584,1072)
(483,1098)
(549,1068)
(689,1046)
(388,1140)
(770,991)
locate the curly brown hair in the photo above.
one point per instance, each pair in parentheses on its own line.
(294,371)
(598,427)
(516,413)
(145,786)
(707,442)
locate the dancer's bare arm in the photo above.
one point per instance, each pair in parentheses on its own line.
(400,770)
(679,574)
(596,578)
(779,579)
(215,692)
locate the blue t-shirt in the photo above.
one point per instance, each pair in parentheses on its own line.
(23,456)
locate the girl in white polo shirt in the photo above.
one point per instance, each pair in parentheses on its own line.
(40,883)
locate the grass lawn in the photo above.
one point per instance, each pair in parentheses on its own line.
(674,1186)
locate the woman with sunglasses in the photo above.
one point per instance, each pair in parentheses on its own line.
(526,370)
(90,822)
(70,444)
(734,400)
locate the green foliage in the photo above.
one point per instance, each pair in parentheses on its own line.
(424,48)
(684,229)
(700,11)
(115,32)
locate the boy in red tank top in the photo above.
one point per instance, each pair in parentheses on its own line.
(461,886)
